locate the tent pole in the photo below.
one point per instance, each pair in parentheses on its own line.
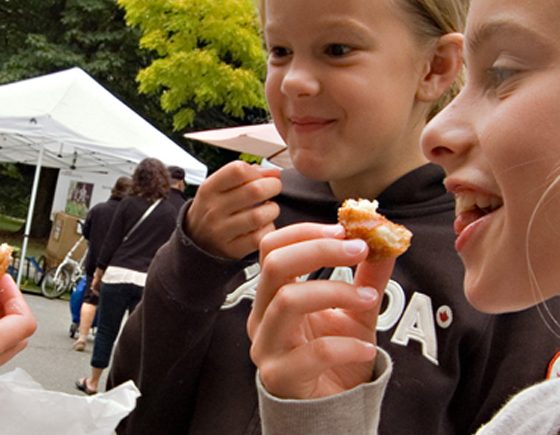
(30,214)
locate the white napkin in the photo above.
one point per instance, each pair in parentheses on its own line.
(27,408)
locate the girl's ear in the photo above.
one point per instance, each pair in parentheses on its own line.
(442,69)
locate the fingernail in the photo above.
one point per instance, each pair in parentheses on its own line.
(367,293)
(354,247)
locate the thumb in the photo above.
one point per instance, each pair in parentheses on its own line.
(374,274)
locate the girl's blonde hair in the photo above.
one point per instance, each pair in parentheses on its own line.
(432,19)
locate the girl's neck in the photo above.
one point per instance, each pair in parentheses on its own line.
(370,184)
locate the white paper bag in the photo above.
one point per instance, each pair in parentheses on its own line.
(27,408)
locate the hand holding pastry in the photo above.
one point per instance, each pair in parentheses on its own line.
(316,338)
(17,323)
(232,211)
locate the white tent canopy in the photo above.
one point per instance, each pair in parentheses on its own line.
(82,126)
(68,120)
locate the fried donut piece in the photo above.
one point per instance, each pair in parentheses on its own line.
(385,239)
(5,258)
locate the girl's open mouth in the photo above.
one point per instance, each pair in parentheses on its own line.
(470,207)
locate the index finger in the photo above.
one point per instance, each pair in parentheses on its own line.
(374,274)
(236,174)
(298,232)
(269,172)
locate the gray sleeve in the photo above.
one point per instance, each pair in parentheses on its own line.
(353,412)
(532,411)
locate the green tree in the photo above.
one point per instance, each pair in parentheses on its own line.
(14,194)
(209,59)
(43,36)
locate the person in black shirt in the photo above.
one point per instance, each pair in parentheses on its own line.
(142,223)
(177,184)
(95,228)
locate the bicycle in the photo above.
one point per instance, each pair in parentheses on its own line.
(34,268)
(58,280)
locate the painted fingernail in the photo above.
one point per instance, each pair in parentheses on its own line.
(354,247)
(367,293)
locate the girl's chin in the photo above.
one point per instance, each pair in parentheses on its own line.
(312,169)
(483,304)
(493,298)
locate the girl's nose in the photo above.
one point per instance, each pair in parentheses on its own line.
(300,80)
(449,136)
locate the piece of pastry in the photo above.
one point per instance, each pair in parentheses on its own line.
(385,239)
(5,258)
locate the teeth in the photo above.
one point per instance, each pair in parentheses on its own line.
(464,202)
(467,201)
(495,202)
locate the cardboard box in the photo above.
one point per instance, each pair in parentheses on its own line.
(65,232)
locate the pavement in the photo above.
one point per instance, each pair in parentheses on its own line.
(49,357)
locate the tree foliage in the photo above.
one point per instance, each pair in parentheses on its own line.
(208,57)
(14,194)
(42,36)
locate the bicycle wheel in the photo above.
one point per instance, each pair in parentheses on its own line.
(51,288)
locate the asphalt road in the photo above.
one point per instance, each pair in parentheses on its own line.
(49,357)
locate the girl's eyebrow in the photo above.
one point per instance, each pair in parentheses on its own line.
(480,35)
(348,25)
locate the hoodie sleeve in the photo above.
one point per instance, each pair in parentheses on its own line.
(353,412)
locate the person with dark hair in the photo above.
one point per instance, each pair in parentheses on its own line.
(142,223)
(94,230)
(177,192)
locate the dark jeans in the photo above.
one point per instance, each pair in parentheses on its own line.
(114,300)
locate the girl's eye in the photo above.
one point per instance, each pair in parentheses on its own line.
(496,75)
(278,52)
(337,50)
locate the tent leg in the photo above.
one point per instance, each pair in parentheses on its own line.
(27,230)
